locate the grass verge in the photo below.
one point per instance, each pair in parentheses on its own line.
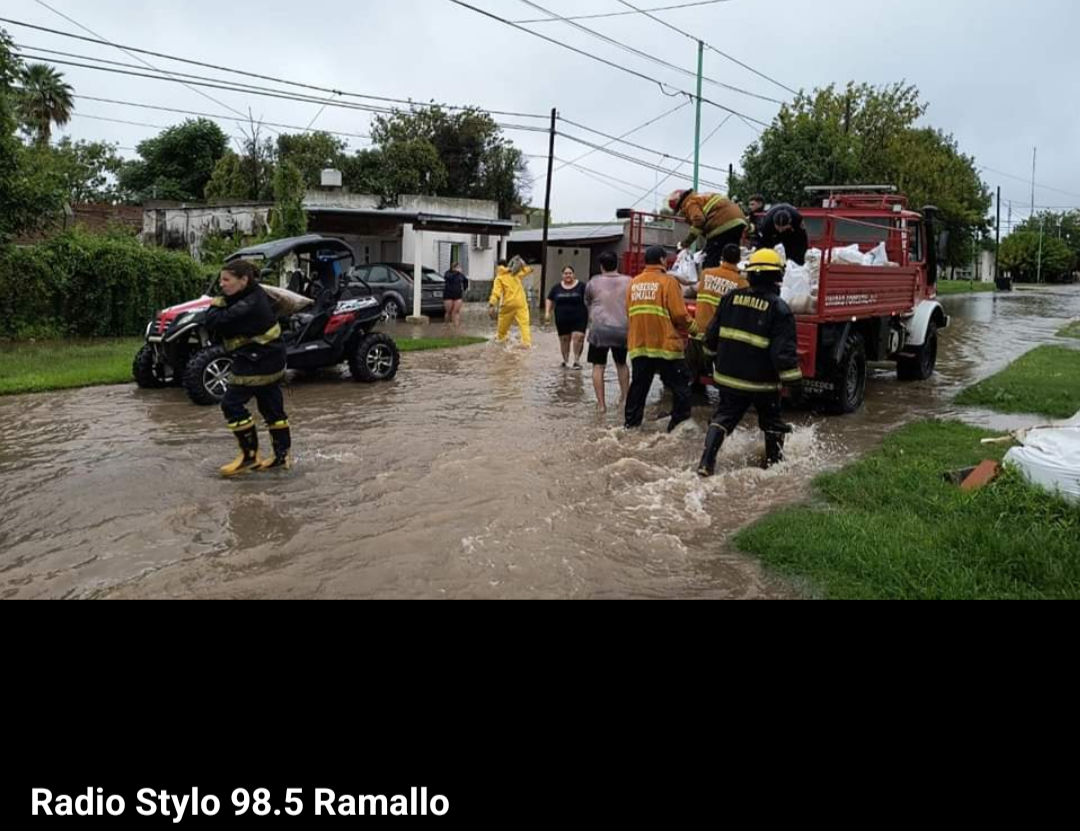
(890,527)
(62,365)
(1045,382)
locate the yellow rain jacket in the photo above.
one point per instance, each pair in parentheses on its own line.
(509,290)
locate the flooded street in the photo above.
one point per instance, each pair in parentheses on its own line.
(479,473)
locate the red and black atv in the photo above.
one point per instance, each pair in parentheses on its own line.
(338,328)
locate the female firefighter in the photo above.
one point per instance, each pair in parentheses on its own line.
(244,319)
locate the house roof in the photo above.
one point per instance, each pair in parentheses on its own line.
(587,234)
(423,221)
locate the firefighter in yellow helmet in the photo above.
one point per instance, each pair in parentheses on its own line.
(756,340)
(510,302)
(712,218)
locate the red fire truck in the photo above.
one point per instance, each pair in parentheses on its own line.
(864,314)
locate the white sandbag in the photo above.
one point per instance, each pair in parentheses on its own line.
(286,303)
(850,255)
(813,267)
(796,290)
(878,257)
(685,269)
(1050,458)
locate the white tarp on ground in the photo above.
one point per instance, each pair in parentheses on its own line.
(1050,458)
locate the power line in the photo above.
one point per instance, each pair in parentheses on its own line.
(266,93)
(635,146)
(197,114)
(74,22)
(710,47)
(1027,180)
(632,159)
(258,76)
(637,129)
(630,14)
(676,172)
(663,182)
(647,56)
(662,86)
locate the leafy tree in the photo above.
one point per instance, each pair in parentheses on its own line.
(30,195)
(479,162)
(177,164)
(869,135)
(289,218)
(88,170)
(1063,226)
(312,153)
(1020,256)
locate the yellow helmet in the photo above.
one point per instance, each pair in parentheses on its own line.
(766,262)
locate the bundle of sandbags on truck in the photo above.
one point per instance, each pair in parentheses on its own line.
(800,289)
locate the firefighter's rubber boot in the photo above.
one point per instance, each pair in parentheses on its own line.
(281,437)
(248,460)
(774,449)
(713,443)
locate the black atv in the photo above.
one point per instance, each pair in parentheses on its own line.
(337,329)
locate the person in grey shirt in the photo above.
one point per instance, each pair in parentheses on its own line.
(609,324)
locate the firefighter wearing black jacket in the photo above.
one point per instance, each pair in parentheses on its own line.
(783,225)
(756,341)
(244,319)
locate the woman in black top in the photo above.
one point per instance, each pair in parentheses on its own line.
(571,316)
(454,293)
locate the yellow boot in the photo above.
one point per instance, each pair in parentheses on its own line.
(248,460)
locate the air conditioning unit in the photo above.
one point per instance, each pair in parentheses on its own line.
(482,242)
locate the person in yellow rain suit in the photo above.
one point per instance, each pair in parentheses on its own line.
(509,302)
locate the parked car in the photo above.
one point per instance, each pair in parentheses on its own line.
(393,286)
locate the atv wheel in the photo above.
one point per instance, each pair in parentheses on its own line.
(146,370)
(376,359)
(207,376)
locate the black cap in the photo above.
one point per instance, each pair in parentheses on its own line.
(657,255)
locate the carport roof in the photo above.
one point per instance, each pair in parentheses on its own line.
(425,222)
(586,234)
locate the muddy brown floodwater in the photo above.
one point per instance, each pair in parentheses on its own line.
(479,473)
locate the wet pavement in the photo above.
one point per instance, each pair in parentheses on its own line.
(481,472)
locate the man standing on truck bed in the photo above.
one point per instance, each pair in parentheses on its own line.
(712,217)
(656,344)
(784,225)
(756,341)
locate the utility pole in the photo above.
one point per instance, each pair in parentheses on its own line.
(697,133)
(997,243)
(1042,229)
(547,210)
(730,178)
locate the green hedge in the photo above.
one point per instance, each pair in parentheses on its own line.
(83,285)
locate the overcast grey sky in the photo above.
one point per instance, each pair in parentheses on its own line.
(999,74)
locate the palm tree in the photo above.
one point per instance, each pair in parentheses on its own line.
(46,99)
